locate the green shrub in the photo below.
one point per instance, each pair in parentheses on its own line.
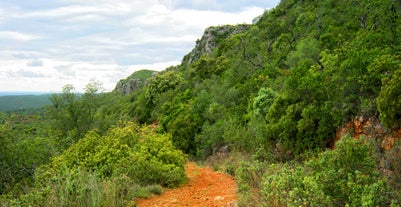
(248,176)
(127,162)
(71,187)
(155,161)
(389,101)
(154,189)
(139,152)
(345,176)
(100,153)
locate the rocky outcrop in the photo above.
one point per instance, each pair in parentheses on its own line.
(361,125)
(128,86)
(372,128)
(134,82)
(210,40)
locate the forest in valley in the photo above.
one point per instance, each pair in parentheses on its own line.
(307,99)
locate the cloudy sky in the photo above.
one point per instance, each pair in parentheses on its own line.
(46,44)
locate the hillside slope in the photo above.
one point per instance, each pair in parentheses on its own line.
(283,87)
(302,108)
(303,70)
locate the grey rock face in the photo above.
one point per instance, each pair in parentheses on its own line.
(128,86)
(210,40)
(134,82)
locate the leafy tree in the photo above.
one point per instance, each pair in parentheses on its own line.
(65,110)
(306,53)
(92,100)
(73,113)
(159,90)
(389,101)
(179,119)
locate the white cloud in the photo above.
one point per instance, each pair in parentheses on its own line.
(205,4)
(17,36)
(30,74)
(74,41)
(74,11)
(205,19)
(54,74)
(35,63)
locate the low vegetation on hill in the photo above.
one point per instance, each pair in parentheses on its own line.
(11,103)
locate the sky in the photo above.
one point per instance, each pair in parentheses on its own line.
(47,44)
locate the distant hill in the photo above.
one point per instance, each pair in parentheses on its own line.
(23,102)
(21,93)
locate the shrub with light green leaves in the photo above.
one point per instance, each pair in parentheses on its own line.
(154,160)
(128,162)
(139,152)
(389,101)
(345,176)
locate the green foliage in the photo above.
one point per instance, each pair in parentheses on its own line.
(141,74)
(178,121)
(306,53)
(159,90)
(205,66)
(26,142)
(127,162)
(78,187)
(23,102)
(154,160)
(345,176)
(393,157)
(74,114)
(276,89)
(145,156)
(389,101)
(249,175)
(162,83)
(263,101)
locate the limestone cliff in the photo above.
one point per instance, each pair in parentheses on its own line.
(210,40)
(134,82)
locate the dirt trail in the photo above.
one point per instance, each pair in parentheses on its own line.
(205,188)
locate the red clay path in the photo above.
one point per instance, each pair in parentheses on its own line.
(205,188)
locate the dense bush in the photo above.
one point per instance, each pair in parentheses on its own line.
(154,160)
(345,176)
(389,102)
(249,175)
(139,152)
(280,88)
(26,142)
(108,170)
(78,187)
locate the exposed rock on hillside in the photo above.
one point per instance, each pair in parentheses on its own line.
(210,39)
(128,86)
(134,82)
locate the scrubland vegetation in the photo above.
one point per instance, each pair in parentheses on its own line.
(277,94)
